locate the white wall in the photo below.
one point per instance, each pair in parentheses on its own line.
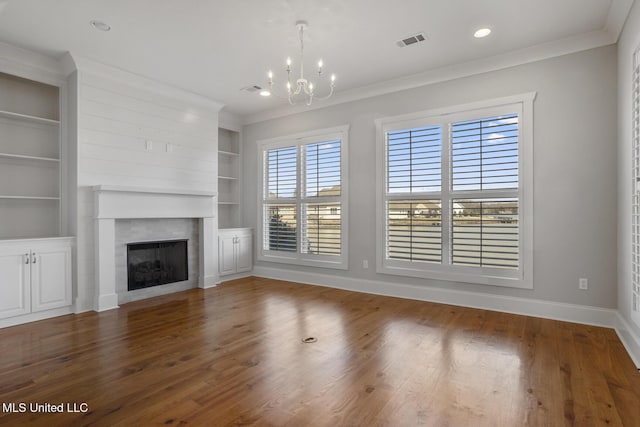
(115,120)
(574,171)
(628,43)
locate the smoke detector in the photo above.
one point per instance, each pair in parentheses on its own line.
(416,38)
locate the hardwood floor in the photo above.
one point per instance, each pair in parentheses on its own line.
(234,355)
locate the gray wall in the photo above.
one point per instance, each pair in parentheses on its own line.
(574,170)
(629,41)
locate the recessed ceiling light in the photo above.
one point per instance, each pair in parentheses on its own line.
(482,32)
(100,25)
(265,93)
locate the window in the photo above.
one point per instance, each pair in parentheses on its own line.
(303,199)
(455,193)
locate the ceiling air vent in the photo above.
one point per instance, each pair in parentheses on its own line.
(416,38)
(252,88)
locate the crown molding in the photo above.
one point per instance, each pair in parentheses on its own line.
(536,53)
(617,17)
(138,81)
(31,65)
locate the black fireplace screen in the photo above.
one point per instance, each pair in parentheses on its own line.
(156,263)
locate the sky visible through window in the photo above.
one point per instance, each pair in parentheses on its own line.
(484,155)
(322,170)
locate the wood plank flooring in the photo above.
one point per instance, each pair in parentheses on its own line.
(233,355)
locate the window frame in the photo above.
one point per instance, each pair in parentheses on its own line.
(520,278)
(300,140)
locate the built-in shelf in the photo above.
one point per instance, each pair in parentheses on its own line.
(229,178)
(228,153)
(29,197)
(33,164)
(24,157)
(28,118)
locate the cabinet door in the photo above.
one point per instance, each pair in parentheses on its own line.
(226,261)
(243,252)
(50,278)
(15,291)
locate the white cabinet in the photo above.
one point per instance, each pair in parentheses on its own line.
(36,276)
(15,291)
(234,250)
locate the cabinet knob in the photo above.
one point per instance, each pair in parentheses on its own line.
(26,258)
(34,258)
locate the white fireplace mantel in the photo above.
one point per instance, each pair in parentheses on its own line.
(120,202)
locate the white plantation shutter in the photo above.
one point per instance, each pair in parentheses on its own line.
(414,158)
(414,168)
(282,172)
(485,233)
(323,169)
(452,194)
(635,197)
(484,153)
(484,156)
(280,209)
(322,230)
(303,207)
(414,230)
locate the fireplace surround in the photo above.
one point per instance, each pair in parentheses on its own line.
(112,203)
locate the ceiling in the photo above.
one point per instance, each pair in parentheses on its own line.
(217,47)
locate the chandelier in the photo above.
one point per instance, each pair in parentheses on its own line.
(303,89)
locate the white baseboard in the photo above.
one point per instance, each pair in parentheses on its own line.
(33,317)
(629,339)
(525,306)
(229,277)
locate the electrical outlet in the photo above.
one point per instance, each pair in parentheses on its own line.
(583,284)
(365,263)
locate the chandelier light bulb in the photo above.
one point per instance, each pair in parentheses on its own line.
(333,78)
(288,62)
(320,64)
(270,75)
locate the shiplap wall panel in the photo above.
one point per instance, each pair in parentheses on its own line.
(115,120)
(95,137)
(180,178)
(135,104)
(137,155)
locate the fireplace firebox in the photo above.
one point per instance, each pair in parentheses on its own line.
(156,263)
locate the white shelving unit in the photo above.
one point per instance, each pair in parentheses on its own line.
(229,179)
(35,257)
(30,159)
